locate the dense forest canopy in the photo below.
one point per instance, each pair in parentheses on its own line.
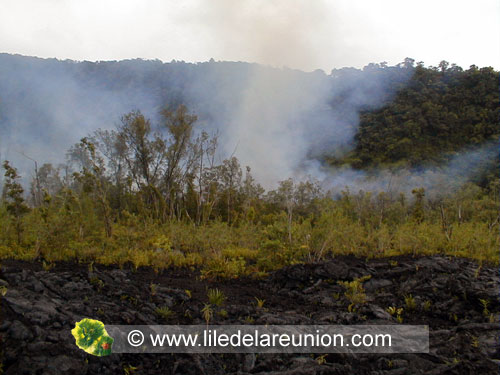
(439,112)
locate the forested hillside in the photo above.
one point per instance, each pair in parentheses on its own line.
(439,113)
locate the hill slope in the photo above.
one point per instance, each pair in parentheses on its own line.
(406,114)
(437,114)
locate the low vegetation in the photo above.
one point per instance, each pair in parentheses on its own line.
(216,297)
(164,312)
(355,292)
(69,226)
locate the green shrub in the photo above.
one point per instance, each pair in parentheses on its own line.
(220,267)
(354,291)
(216,297)
(164,312)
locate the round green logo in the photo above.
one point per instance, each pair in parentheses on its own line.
(91,336)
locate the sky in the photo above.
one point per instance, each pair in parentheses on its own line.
(300,34)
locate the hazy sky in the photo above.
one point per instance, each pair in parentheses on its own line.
(304,34)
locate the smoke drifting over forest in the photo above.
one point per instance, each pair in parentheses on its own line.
(284,119)
(277,121)
(437,181)
(280,122)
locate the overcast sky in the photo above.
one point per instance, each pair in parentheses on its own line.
(303,34)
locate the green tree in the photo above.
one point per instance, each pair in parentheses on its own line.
(418,207)
(95,180)
(13,195)
(179,160)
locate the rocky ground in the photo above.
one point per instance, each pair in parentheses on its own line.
(41,307)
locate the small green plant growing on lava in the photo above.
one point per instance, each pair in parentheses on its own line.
(216,297)
(91,336)
(207,312)
(474,341)
(485,303)
(249,319)
(321,360)
(355,292)
(260,302)
(164,312)
(427,305)
(410,302)
(47,266)
(395,311)
(97,282)
(477,271)
(153,288)
(129,369)
(392,310)
(399,315)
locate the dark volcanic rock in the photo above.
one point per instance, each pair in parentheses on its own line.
(458,300)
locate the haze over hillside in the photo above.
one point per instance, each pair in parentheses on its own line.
(272,119)
(280,122)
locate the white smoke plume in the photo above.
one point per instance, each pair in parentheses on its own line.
(438,181)
(279,33)
(281,120)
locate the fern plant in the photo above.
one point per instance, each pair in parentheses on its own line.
(355,292)
(216,297)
